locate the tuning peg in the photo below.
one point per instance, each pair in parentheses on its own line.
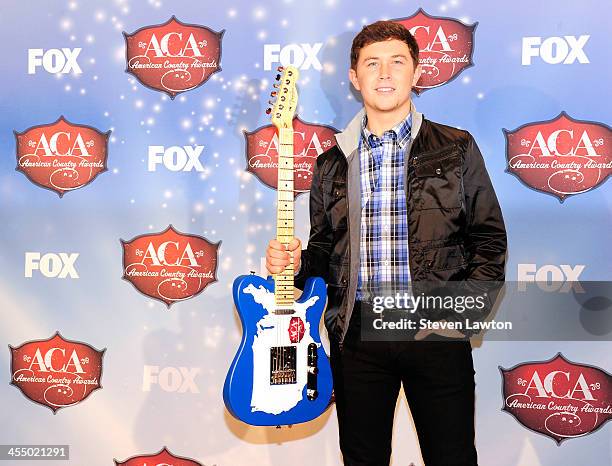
(276,85)
(273,94)
(278,76)
(280,68)
(268,111)
(270,102)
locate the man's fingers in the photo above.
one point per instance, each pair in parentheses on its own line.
(278,254)
(294,244)
(277,245)
(278,257)
(274,269)
(273,261)
(422,334)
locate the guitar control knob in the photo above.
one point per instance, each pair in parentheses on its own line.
(312,394)
(313,370)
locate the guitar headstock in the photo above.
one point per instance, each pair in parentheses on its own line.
(286,97)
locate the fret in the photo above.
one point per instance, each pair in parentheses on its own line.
(284,281)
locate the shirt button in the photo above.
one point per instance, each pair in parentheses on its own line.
(386,262)
(438,171)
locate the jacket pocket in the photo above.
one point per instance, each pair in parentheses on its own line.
(446,263)
(437,182)
(338,275)
(444,258)
(334,202)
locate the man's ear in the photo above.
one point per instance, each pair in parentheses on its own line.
(417,74)
(353,78)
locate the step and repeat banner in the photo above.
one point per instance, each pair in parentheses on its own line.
(138,180)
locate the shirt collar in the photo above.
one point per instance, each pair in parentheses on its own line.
(400,132)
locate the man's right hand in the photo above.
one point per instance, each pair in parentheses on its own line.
(278,257)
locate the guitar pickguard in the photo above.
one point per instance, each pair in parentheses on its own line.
(273,331)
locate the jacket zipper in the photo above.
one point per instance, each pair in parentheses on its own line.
(348,231)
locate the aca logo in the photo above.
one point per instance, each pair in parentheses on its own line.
(309,141)
(558,398)
(446,46)
(561,156)
(161,458)
(61,156)
(173,57)
(170,266)
(302,56)
(56,372)
(62,61)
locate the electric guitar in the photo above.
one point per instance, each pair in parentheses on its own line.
(280,374)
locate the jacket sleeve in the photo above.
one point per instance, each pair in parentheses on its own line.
(315,258)
(486,233)
(485,240)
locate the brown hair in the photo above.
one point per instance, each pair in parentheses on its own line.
(381,31)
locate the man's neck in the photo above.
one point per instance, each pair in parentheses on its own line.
(379,122)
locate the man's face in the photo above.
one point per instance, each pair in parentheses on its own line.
(385,75)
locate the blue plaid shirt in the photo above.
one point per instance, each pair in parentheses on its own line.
(384,227)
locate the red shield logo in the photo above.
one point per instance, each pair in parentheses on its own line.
(561,157)
(61,156)
(163,458)
(558,398)
(170,266)
(173,57)
(445,47)
(309,141)
(296,330)
(56,372)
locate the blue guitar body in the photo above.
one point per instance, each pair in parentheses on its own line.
(281,374)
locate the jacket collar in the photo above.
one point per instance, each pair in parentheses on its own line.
(348,140)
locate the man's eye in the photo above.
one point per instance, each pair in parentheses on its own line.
(372,63)
(398,61)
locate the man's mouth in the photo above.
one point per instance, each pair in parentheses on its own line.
(385,89)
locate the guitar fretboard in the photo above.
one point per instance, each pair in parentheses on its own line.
(283,291)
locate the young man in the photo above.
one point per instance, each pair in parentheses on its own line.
(400,199)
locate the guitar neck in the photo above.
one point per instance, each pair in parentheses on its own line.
(283,291)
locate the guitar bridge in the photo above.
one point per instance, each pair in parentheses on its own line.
(282,365)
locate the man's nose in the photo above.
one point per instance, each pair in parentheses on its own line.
(383,71)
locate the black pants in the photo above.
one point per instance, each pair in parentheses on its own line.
(438,380)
